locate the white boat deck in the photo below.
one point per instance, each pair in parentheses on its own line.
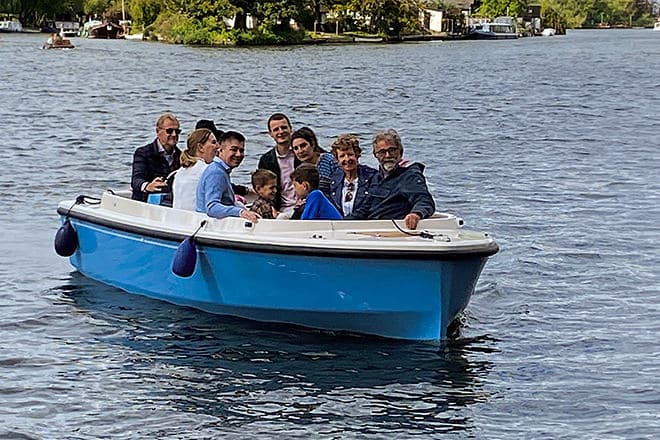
(445,232)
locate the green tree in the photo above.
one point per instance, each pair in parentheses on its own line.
(145,12)
(201,9)
(621,11)
(391,18)
(497,8)
(562,14)
(35,12)
(95,7)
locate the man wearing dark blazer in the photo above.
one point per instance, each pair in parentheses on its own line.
(153,163)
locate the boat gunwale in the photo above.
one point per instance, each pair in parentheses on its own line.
(486,250)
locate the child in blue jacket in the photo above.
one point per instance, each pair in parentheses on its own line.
(314,204)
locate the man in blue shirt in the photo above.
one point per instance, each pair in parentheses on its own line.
(215,195)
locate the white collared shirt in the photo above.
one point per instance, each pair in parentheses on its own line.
(169,157)
(347,205)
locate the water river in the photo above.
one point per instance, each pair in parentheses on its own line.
(549,144)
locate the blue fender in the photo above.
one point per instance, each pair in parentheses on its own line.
(185,258)
(66,239)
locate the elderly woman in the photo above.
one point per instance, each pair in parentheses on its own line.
(200,151)
(349,185)
(306,147)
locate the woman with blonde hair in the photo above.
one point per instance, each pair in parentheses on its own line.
(200,150)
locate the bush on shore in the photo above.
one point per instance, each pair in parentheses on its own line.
(181,29)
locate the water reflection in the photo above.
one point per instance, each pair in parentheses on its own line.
(242,372)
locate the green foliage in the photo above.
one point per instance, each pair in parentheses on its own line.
(201,21)
(171,26)
(562,14)
(35,12)
(644,20)
(200,33)
(265,36)
(497,8)
(621,11)
(144,12)
(200,9)
(390,18)
(275,14)
(450,9)
(97,7)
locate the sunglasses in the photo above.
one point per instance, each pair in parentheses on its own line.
(349,192)
(172,131)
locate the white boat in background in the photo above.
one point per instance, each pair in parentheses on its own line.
(68,29)
(139,36)
(87,26)
(548,32)
(656,26)
(11,26)
(502,28)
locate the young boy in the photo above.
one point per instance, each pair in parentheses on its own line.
(264,183)
(315,205)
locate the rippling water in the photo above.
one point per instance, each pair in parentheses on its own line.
(550,144)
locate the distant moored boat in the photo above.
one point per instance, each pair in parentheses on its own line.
(11,26)
(502,28)
(109,31)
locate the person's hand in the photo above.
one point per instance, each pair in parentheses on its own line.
(275,213)
(249,215)
(156,185)
(411,220)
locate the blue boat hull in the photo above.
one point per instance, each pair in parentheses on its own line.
(397,298)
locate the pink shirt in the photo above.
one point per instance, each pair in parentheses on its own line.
(286,168)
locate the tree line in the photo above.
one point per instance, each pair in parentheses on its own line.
(262,22)
(578,13)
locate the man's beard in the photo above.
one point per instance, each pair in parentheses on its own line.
(388,166)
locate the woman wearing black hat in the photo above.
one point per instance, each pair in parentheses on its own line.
(207,123)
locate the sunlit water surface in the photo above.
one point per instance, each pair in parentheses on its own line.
(549,144)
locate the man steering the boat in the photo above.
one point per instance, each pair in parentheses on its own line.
(399,188)
(155,161)
(215,195)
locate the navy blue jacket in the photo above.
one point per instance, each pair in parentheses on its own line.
(148,164)
(397,194)
(365,175)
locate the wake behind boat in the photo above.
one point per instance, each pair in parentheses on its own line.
(58,44)
(356,276)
